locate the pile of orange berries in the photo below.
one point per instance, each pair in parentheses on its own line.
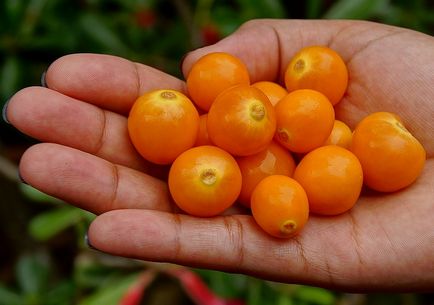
(242,147)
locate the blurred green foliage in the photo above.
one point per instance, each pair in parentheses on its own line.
(33,33)
(51,263)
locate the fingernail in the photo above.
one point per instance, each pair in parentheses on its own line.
(21,178)
(87,242)
(43,80)
(4,111)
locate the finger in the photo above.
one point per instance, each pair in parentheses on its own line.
(230,243)
(266,46)
(50,116)
(110,82)
(90,182)
(365,249)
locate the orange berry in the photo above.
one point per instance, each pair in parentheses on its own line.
(341,135)
(162,124)
(304,120)
(332,178)
(280,206)
(204,181)
(241,121)
(212,74)
(274,160)
(273,91)
(202,136)
(318,68)
(391,157)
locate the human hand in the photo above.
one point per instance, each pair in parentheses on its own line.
(386,242)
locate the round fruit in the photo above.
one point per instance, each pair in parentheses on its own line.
(332,178)
(304,120)
(204,181)
(341,135)
(280,206)
(274,160)
(162,124)
(391,157)
(318,68)
(273,91)
(241,121)
(212,74)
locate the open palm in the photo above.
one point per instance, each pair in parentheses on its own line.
(386,242)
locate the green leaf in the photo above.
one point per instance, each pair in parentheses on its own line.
(98,30)
(261,9)
(284,299)
(62,293)
(14,9)
(9,297)
(36,195)
(227,285)
(9,77)
(46,225)
(32,273)
(315,295)
(33,14)
(226,19)
(254,292)
(112,293)
(356,9)
(313,8)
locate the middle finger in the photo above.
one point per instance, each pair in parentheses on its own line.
(50,116)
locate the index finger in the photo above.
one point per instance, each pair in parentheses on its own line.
(109,82)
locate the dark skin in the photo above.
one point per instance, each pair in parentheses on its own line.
(385,243)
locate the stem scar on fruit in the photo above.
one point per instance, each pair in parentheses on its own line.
(208,176)
(299,65)
(288,227)
(168,95)
(282,134)
(257,111)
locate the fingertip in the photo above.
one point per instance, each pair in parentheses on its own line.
(24,107)
(31,162)
(57,69)
(95,234)
(130,233)
(190,58)
(99,235)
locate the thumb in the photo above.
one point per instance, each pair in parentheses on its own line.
(266,46)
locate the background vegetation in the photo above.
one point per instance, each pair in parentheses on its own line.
(43,258)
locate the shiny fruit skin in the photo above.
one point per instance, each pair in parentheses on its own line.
(212,74)
(241,121)
(391,157)
(273,91)
(332,178)
(204,181)
(305,120)
(341,135)
(162,124)
(280,206)
(274,160)
(319,68)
